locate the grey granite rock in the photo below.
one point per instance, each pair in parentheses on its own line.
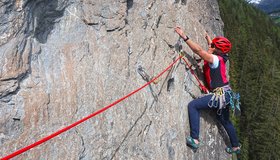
(63,60)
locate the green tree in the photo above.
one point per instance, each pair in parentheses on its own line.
(255,73)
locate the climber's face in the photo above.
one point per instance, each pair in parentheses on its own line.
(215,49)
(212,49)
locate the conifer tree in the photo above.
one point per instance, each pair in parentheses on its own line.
(255,73)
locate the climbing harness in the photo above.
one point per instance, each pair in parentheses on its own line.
(218,99)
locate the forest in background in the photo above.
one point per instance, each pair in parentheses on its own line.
(255,74)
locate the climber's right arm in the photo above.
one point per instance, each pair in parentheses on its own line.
(205,55)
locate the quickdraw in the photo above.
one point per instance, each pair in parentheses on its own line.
(178,48)
(218,100)
(235,103)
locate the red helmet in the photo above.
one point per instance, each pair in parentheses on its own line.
(222,44)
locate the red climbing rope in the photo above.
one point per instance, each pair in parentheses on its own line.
(201,86)
(86,118)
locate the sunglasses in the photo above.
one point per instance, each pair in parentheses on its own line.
(212,45)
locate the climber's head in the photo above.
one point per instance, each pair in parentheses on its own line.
(222,44)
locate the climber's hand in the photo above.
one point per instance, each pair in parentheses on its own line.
(207,37)
(180,32)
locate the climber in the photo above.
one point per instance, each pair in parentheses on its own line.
(221,96)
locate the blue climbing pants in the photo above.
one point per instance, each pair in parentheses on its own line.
(194,108)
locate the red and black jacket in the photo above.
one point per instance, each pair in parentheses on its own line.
(216,77)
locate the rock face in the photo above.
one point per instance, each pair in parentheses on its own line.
(62,60)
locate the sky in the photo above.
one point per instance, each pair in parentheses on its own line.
(255,1)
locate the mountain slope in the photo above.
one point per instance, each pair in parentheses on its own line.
(271,7)
(255,72)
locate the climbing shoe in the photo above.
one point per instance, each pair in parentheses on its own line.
(191,143)
(229,150)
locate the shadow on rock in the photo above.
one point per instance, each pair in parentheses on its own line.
(45,15)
